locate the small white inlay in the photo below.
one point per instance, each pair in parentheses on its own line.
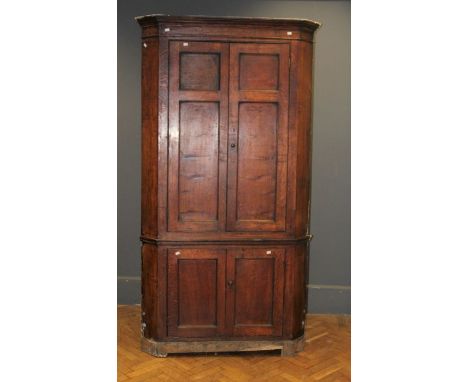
(289,33)
(268,252)
(167,29)
(177,253)
(185,44)
(145,45)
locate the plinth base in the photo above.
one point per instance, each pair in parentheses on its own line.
(162,349)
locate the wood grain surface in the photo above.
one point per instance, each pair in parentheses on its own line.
(226,119)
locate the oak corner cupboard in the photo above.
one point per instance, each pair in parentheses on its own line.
(226,166)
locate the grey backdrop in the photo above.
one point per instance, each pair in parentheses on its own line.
(330,278)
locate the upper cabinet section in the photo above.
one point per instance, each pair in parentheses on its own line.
(226,128)
(223,28)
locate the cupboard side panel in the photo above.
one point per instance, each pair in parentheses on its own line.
(303,118)
(148,288)
(149,136)
(160,306)
(163,134)
(300,291)
(295,299)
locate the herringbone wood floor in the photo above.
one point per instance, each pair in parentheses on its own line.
(326,356)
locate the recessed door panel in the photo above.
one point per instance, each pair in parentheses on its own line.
(258,71)
(198,93)
(254,305)
(197,282)
(257,161)
(199,71)
(254,294)
(196,292)
(198,161)
(258,137)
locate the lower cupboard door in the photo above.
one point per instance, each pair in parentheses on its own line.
(254,293)
(196,299)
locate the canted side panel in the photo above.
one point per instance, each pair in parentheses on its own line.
(198,161)
(153,288)
(148,288)
(300,290)
(160,306)
(257,161)
(149,137)
(163,137)
(295,299)
(301,91)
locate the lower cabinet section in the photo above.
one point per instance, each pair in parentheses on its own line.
(236,292)
(231,292)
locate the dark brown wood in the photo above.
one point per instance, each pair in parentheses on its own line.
(160,307)
(196,292)
(162,127)
(258,71)
(199,71)
(149,136)
(226,115)
(149,289)
(301,93)
(295,287)
(255,283)
(197,136)
(258,131)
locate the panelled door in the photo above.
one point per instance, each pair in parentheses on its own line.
(196,292)
(198,106)
(258,137)
(254,293)
(228,136)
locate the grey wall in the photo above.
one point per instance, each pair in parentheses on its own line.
(330,278)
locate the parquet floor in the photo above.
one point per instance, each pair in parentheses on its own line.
(326,356)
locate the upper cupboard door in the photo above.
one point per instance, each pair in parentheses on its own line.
(198,104)
(258,137)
